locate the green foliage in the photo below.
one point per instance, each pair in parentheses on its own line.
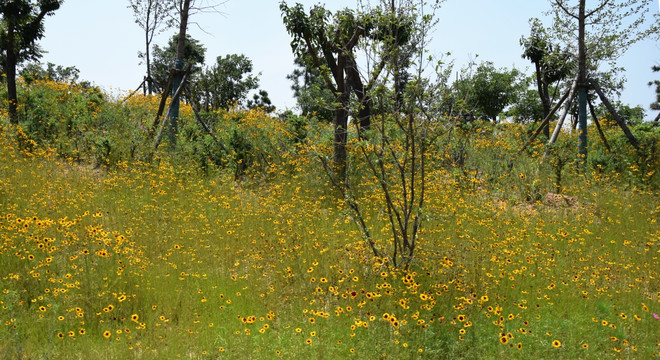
(21,27)
(163,60)
(61,115)
(490,90)
(199,148)
(552,65)
(630,115)
(227,84)
(527,108)
(552,62)
(298,126)
(57,73)
(632,168)
(262,101)
(656,104)
(311,93)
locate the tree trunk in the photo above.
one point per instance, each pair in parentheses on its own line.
(340,120)
(365,101)
(542,87)
(582,87)
(183,25)
(178,72)
(12,60)
(341,126)
(150,87)
(146,45)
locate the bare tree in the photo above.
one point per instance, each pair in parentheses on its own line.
(150,15)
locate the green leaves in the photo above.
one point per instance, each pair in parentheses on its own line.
(612,26)
(228,82)
(490,90)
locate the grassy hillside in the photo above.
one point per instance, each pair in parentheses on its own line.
(251,254)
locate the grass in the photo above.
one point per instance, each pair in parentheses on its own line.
(152,261)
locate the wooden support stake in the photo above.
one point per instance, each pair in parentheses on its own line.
(545,121)
(163,100)
(133,93)
(204,125)
(618,119)
(600,131)
(177,93)
(567,107)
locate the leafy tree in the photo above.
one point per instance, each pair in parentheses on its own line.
(631,115)
(181,12)
(194,53)
(150,15)
(35,71)
(656,104)
(327,42)
(490,90)
(527,108)
(312,95)
(226,83)
(403,132)
(551,63)
(21,27)
(261,100)
(613,27)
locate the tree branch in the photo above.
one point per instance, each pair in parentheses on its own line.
(560,3)
(605,3)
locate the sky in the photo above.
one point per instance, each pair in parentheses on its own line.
(102,40)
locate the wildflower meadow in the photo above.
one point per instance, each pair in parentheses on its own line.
(251,253)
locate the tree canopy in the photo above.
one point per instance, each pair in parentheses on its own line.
(164,57)
(21,27)
(490,90)
(228,82)
(656,104)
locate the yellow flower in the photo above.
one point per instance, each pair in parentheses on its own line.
(556,343)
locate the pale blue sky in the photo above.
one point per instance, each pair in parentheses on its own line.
(100,38)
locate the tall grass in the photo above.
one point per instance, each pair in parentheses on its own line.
(175,259)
